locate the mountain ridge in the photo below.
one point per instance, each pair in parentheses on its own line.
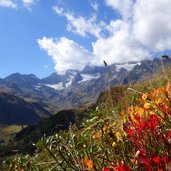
(76,88)
(15,110)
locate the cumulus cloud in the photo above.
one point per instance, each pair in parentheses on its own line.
(142,29)
(151,23)
(15,4)
(29,3)
(122,6)
(145,31)
(119,47)
(8,3)
(81,25)
(65,53)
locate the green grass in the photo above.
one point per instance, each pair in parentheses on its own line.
(68,148)
(8,130)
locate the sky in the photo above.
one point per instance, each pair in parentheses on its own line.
(43,36)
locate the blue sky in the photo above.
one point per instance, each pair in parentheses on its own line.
(41,37)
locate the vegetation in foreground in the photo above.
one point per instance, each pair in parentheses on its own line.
(7,130)
(135,135)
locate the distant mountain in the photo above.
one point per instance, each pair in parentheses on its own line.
(93,69)
(146,69)
(23,81)
(75,88)
(59,81)
(1,81)
(14,110)
(76,79)
(53,79)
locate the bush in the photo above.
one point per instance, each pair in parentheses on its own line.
(138,138)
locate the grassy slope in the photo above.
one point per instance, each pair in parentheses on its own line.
(114,99)
(8,130)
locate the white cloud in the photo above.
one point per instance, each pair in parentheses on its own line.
(65,53)
(80,25)
(152,26)
(143,29)
(123,6)
(94,5)
(119,47)
(29,3)
(8,3)
(15,4)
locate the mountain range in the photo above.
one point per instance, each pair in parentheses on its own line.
(73,88)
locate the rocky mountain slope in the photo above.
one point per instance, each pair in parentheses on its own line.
(76,88)
(15,110)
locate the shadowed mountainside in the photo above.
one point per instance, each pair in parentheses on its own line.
(15,110)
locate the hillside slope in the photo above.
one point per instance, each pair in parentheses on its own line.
(14,110)
(76,88)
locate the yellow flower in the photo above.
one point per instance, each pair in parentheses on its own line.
(114,144)
(133,117)
(146,105)
(113,124)
(139,110)
(158,100)
(122,116)
(144,97)
(118,136)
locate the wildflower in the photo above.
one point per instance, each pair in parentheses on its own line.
(114,144)
(139,110)
(147,105)
(118,136)
(89,163)
(144,97)
(122,116)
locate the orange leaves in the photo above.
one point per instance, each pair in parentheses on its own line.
(139,110)
(118,136)
(158,101)
(145,127)
(144,97)
(89,163)
(168,86)
(147,105)
(161,91)
(97,135)
(122,116)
